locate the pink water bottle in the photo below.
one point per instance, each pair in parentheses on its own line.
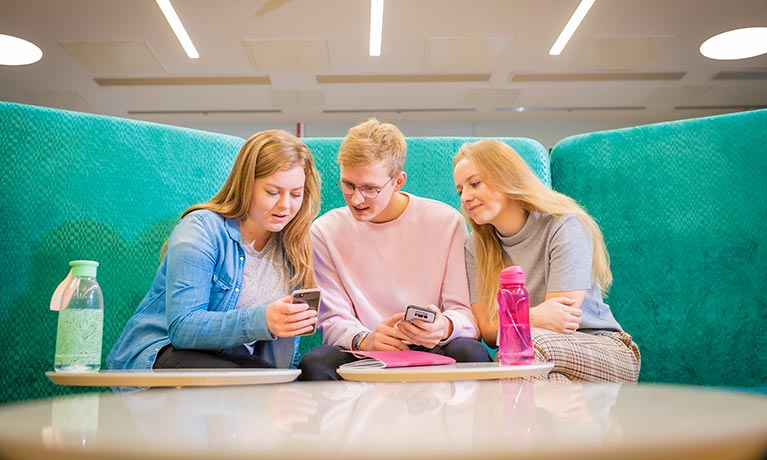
(515,345)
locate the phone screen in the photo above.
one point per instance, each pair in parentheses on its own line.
(310,297)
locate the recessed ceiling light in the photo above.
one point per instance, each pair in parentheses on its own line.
(570,27)
(17,51)
(178,28)
(736,44)
(376,26)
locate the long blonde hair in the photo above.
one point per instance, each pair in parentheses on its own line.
(504,171)
(262,155)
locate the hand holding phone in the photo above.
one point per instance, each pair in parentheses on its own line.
(415,312)
(424,326)
(310,297)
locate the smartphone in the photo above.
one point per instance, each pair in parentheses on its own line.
(310,297)
(424,314)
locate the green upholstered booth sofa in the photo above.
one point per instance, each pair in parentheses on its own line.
(683,206)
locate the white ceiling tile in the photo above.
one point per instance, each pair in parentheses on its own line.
(289,55)
(619,53)
(464,55)
(115,57)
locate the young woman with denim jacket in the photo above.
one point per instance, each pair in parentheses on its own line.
(221,297)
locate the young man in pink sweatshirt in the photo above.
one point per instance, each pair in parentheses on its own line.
(385,250)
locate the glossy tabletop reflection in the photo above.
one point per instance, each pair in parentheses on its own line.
(445,420)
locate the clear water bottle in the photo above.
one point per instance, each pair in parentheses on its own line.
(515,346)
(81,319)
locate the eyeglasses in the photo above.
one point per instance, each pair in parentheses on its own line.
(367,191)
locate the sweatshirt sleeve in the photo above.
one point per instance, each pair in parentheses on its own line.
(337,320)
(471,269)
(570,258)
(455,287)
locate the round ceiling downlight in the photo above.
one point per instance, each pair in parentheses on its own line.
(736,44)
(17,51)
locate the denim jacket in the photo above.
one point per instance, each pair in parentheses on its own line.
(193,299)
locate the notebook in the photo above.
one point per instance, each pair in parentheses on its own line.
(404,358)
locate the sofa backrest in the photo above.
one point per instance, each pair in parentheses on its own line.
(683,208)
(81,186)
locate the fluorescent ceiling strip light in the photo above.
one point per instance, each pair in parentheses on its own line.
(569,29)
(396,110)
(565,109)
(376,26)
(200,112)
(720,107)
(178,28)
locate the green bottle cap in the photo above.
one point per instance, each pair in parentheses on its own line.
(84,268)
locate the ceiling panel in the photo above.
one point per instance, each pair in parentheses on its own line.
(442,61)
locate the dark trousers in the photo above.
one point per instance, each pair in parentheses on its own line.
(321,362)
(231,358)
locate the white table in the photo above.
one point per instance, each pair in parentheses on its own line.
(355,420)
(174,377)
(456,371)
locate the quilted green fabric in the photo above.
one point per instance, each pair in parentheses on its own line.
(429,168)
(683,207)
(81,186)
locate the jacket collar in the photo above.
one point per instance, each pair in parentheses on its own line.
(233,229)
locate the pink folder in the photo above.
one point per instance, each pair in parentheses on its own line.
(404,358)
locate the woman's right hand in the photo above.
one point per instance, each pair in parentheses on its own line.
(557,314)
(286,319)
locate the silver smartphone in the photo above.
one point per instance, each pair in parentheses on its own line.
(415,312)
(310,297)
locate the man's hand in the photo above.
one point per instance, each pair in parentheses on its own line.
(386,337)
(428,335)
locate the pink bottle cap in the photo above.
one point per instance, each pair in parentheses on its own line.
(512,275)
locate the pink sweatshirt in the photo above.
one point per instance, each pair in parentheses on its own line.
(369,272)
